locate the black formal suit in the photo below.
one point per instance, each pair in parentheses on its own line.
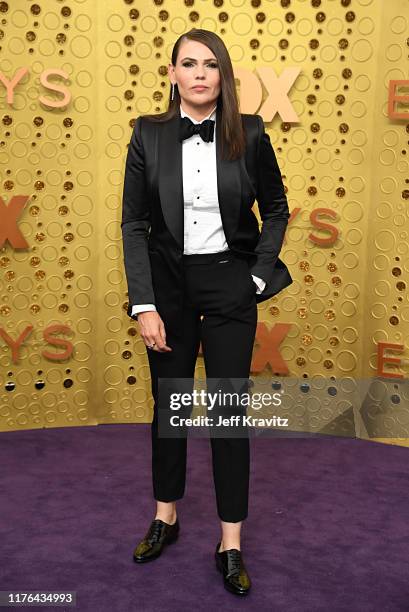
(152,217)
(208,297)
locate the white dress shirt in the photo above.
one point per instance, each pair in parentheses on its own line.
(203,229)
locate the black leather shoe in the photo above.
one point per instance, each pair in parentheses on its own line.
(230,564)
(158,535)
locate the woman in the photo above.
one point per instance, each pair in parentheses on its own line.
(197,265)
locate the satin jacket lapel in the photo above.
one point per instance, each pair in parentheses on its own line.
(228,186)
(170,178)
(171,181)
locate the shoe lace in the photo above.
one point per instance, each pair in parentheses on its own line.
(233,562)
(155,531)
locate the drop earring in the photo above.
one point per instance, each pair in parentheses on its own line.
(173,92)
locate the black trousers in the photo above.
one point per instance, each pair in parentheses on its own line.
(220,311)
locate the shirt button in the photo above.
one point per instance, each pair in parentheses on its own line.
(198,170)
(194,221)
(197,197)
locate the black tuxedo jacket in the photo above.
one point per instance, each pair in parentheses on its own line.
(153,212)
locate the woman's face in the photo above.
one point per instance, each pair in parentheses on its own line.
(196,65)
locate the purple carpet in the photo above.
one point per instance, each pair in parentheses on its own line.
(328,524)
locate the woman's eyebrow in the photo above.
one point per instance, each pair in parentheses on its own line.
(211,59)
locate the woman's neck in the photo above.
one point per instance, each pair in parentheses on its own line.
(198,113)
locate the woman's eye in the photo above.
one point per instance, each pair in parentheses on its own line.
(212,65)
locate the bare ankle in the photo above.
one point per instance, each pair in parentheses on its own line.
(166,512)
(170,520)
(228,546)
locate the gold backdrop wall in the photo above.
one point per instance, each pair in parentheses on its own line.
(344,154)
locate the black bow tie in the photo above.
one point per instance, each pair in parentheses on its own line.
(205,129)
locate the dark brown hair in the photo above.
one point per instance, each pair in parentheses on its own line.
(232,132)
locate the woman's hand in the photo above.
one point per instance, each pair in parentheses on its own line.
(152,330)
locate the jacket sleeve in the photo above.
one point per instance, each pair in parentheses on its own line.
(135,224)
(272,205)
